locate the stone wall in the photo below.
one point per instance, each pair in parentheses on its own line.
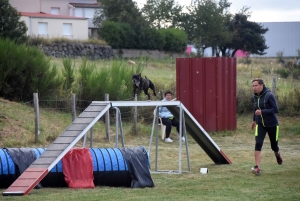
(93,51)
(155,54)
(75,50)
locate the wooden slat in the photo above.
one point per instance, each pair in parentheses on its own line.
(94,108)
(58,147)
(77,127)
(51,153)
(64,140)
(71,133)
(83,120)
(41,160)
(88,114)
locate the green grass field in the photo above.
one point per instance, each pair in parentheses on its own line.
(223,182)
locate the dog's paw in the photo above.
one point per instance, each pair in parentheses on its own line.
(148,100)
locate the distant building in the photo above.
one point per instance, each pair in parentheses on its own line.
(58,18)
(282,36)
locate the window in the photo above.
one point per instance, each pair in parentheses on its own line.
(67,29)
(55,11)
(78,12)
(89,12)
(43,29)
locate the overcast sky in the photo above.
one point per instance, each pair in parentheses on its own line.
(261,10)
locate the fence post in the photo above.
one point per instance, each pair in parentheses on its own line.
(73,105)
(274,86)
(107,121)
(37,116)
(162,94)
(135,117)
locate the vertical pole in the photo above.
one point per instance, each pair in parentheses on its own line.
(180,142)
(135,117)
(91,137)
(117,126)
(162,94)
(274,86)
(107,121)
(73,105)
(37,116)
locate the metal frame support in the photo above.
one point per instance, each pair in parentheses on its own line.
(182,132)
(119,123)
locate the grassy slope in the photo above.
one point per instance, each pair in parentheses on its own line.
(223,182)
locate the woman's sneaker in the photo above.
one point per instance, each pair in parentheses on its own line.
(256,170)
(278,158)
(168,140)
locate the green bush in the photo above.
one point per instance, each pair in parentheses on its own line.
(114,80)
(284,73)
(112,32)
(176,39)
(151,38)
(118,35)
(243,97)
(296,74)
(289,104)
(25,70)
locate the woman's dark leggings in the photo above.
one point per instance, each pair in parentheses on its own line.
(169,123)
(260,134)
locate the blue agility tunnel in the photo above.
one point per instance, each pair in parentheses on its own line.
(110,167)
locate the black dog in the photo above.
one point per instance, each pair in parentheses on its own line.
(142,84)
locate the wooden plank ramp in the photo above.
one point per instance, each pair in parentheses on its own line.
(56,151)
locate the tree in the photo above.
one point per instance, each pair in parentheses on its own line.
(205,23)
(10,25)
(124,11)
(162,13)
(248,36)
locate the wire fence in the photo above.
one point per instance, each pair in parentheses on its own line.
(62,110)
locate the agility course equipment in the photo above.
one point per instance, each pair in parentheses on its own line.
(109,169)
(54,153)
(85,121)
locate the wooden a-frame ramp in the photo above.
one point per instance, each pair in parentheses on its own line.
(56,151)
(85,121)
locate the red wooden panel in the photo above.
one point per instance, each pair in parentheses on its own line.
(210,94)
(197,77)
(207,87)
(182,76)
(232,123)
(220,113)
(226,95)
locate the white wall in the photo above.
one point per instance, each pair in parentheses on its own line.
(55,27)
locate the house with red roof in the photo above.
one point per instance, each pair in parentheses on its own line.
(58,18)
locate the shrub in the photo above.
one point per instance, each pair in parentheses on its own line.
(111,32)
(118,35)
(176,39)
(284,73)
(151,38)
(296,74)
(114,80)
(289,104)
(25,70)
(243,97)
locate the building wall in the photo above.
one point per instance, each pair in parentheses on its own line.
(282,36)
(55,27)
(32,6)
(62,4)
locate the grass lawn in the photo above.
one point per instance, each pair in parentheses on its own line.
(223,182)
